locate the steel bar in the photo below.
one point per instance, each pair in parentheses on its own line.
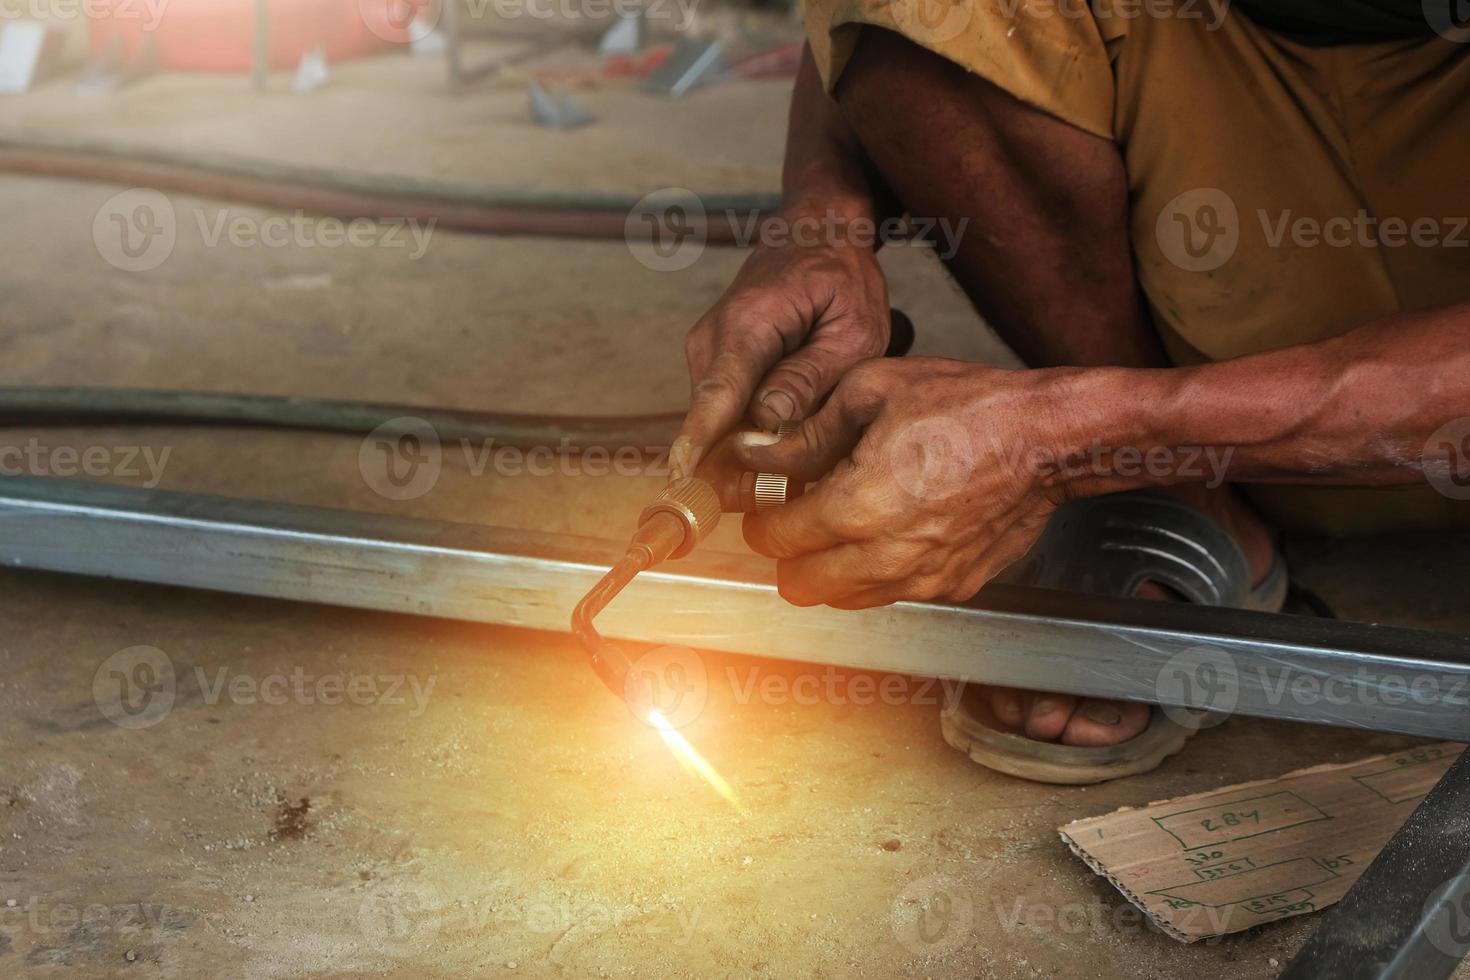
(1297,668)
(1408,916)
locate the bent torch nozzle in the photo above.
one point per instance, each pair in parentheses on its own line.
(679,518)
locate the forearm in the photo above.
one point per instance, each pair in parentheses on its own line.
(824,169)
(1357,410)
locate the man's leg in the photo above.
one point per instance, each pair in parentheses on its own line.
(1046,259)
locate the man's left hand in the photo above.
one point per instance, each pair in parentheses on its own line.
(934,478)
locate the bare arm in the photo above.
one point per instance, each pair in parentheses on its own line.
(1357,410)
(824,164)
(798,314)
(938,474)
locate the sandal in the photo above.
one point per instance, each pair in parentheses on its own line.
(1112,545)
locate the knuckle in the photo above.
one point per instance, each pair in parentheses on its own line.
(801,375)
(864,376)
(877,340)
(865,382)
(753,314)
(712,387)
(729,359)
(859,340)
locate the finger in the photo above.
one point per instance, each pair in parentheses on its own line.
(820,443)
(871,562)
(800,527)
(795,386)
(879,595)
(832,577)
(865,599)
(719,396)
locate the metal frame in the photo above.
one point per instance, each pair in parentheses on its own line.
(1374,677)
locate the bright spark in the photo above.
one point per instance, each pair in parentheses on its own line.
(692,760)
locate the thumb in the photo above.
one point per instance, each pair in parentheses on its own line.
(816,446)
(798,383)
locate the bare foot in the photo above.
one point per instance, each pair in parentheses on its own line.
(1090,722)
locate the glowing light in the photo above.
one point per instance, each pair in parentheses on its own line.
(692,760)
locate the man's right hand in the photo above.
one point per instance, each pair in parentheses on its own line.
(795,319)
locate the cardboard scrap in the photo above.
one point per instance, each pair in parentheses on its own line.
(1224,861)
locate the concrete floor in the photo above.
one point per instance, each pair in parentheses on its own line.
(492,811)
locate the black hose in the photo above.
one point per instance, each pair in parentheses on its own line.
(488,209)
(47,406)
(132,406)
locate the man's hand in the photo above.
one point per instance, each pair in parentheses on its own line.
(934,478)
(793,321)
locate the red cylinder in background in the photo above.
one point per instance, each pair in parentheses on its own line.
(219,35)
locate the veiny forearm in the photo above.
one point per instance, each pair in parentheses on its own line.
(1357,410)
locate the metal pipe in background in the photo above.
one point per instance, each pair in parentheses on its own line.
(1374,677)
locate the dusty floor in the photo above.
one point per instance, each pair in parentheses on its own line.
(484,807)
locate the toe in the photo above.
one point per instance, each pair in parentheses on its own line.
(1005,703)
(1099,723)
(1047,715)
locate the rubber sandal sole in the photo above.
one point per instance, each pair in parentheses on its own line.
(964,724)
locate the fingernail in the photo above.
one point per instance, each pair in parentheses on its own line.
(752,440)
(1045,706)
(679,457)
(782,405)
(1103,714)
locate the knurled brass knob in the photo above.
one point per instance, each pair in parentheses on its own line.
(770,490)
(773,489)
(695,503)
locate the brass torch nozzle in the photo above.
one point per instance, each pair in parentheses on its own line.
(678,519)
(693,503)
